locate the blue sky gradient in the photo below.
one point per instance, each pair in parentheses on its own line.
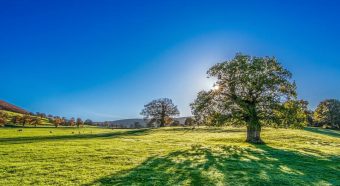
(105,59)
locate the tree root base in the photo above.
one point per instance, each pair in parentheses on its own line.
(255,141)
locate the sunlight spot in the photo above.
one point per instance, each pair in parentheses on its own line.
(216,87)
(288,170)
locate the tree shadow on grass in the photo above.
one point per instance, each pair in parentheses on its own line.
(230,165)
(204,130)
(32,139)
(328,132)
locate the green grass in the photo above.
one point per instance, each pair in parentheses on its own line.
(169,156)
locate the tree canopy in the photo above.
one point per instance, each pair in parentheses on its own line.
(248,90)
(160,110)
(327,113)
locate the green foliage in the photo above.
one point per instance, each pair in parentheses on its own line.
(26,120)
(217,119)
(167,156)
(292,114)
(327,113)
(249,89)
(202,107)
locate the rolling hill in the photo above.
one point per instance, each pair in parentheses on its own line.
(9,107)
(127,123)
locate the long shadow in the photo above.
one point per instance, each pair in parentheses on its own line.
(230,165)
(32,139)
(328,132)
(205,129)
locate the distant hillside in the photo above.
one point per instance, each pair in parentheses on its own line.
(9,107)
(130,122)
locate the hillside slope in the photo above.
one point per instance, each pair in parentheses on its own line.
(9,107)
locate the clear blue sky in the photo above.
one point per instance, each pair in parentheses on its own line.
(105,59)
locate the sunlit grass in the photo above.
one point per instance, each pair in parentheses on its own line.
(169,156)
(44,121)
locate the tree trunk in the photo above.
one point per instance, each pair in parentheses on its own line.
(254,131)
(162,124)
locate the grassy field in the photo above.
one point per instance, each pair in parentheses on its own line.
(169,156)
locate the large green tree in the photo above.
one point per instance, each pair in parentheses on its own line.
(159,110)
(247,90)
(327,113)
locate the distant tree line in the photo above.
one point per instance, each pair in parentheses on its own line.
(36,119)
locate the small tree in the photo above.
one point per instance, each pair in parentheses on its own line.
(189,121)
(63,121)
(2,122)
(88,122)
(36,121)
(26,120)
(158,110)
(15,119)
(57,121)
(42,115)
(71,122)
(137,125)
(79,122)
(3,118)
(327,114)
(248,90)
